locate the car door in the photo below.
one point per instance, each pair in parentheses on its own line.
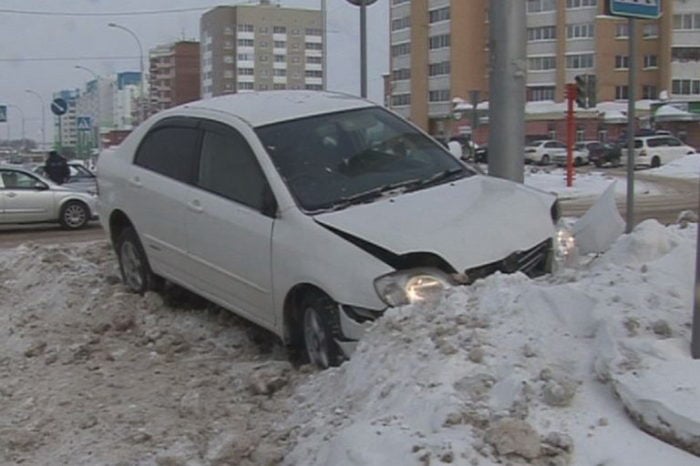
(26,198)
(676,149)
(228,235)
(159,185)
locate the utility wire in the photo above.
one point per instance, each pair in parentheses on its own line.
(82,13)
(45,59)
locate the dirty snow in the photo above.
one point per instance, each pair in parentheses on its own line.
(687,167)
(507,371)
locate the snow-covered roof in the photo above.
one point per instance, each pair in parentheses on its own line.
(670,113)
(614,117)
(263,108)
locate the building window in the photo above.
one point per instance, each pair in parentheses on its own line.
(541,33)
(246,28)
(246,71)
(400,49)
(438,42)
(246,86)
(621,92)
(685,54)
(313,73)
(313,87)
(278,72)
(279,86)
(622,62)
(400,23)
(579,60)
(442,95)
(401,99)
(438,69)
(280,58)
(314,31)
(245,42)
(244,57)
(541,63)
(400,74)
(228,30)
(685,86)
(279,30)
(622,30)
(581,3)
(313,46)
(686,22)
(296,32)
(228,59)
(228,44)
(539,93)
(651,30)
(580,31)
(263,43)
(650,61)
(263,30)
(579,135)
(540,6)
(649,92)
(399,2)
(440,14)
(279,44)
(310,60)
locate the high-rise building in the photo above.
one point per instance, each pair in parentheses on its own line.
(127,96)
(96,102)
(174,75)
(260,47)
(440,51)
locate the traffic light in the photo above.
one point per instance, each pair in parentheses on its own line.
(581,90)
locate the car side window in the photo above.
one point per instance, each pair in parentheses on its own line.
(170,151)
(656,142)
(673,142)
(19,180)
(228,167)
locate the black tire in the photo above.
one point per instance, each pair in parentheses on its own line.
(598,163)
(655,161)
(544,160)
(74,215)
(133,264)
(320,326)
(578,161)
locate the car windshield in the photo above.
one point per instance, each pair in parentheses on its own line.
(332,161)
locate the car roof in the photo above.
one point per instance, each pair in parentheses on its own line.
(264,108)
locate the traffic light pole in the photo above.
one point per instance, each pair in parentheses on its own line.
(631,122)
(571,92)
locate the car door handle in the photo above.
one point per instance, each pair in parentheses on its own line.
(135,182)
(11,194)
(195,206)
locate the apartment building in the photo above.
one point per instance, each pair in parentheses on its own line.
(260,47)
(174,75)
(439,51)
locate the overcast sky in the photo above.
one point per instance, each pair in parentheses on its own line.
(40,36)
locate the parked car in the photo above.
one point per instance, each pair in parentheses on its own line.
(481,154)
(310,213)
(601,153)
(26,197)
(657,150)
(544,152)
(80,178)
(579,155)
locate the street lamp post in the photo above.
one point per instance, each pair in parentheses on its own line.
(142,115)
(98,110)
(43,116)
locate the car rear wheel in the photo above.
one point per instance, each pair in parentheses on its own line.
(320,326)
(133,264)
(544,160)
(578,161)
(74,215)
(655,161)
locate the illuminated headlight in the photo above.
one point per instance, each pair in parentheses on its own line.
(564,244)
(411,286)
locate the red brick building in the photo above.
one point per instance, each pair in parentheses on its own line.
(174,75)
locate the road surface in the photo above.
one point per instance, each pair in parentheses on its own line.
(14,235)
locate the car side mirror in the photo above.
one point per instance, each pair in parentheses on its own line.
(39,186)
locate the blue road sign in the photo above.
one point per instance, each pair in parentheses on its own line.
(59,106)
(83,123)
(3,113)
(646,9)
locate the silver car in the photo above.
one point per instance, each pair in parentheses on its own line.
(80,178)
(26,197)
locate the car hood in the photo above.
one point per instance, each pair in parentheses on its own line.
(470,222)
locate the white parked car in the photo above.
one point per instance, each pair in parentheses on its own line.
(26,197)
(310,213)
(657,150)
(543,152)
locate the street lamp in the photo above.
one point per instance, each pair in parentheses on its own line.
(21,113)
(43,116)
(98,116)
(133,34)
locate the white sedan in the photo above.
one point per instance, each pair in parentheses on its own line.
(26,197)
(546,151)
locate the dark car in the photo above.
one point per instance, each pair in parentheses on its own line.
(601,153)
(481,154)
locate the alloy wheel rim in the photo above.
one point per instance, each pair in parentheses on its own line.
(74,216)
(132,266)
(315,338)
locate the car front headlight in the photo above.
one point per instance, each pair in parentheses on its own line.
(564,244)
(411,286)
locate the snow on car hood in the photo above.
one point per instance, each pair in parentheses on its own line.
(470,222)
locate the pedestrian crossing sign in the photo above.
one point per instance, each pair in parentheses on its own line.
(83,123)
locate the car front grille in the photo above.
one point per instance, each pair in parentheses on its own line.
(533,263)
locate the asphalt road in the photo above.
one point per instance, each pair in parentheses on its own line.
(679,195)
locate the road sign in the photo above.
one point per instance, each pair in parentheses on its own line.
(3,113)
(646,9)
(83,123)
(59,106)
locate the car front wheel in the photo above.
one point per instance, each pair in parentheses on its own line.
(74,215)
(133,263)
(320,325)
(545,160)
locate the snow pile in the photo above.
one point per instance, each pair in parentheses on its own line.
(520,371)
(687,167)
(589,184)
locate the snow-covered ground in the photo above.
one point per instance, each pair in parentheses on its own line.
(507,371)
(589,184)
(687,167)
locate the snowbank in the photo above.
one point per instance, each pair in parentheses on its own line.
(687,167)
(521,371)
(590,184)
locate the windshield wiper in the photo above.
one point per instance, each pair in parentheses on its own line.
(439,177)
(366,196)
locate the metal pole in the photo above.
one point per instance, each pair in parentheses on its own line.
(695,340)
(507,89)
(570,97)
(363,49)
(324,20)
(631,86)
(142,115)
(43,117)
